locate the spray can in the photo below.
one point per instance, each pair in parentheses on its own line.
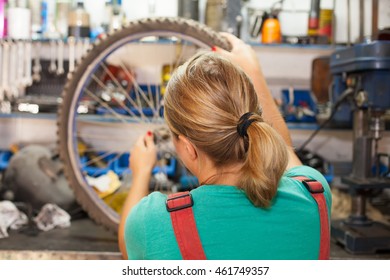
(325,25)
(314,18)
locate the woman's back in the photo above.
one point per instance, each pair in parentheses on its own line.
(230,227)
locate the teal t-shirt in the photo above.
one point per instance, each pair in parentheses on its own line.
(230,227)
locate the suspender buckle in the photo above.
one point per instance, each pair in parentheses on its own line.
(181,202)
(313,186)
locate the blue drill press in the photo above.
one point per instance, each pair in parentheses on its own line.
(361,75)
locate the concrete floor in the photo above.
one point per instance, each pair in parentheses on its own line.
(86,240)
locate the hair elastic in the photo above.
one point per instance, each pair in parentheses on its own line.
(243,123)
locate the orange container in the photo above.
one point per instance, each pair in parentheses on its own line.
(271,32)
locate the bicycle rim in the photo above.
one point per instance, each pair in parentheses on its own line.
(114,96)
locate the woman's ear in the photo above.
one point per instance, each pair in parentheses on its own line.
(188,147)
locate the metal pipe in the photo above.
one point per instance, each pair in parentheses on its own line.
(361,205)
(334,23)
(348,22)
(374,27)
(361,20)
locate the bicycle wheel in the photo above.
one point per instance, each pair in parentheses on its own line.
(115,95)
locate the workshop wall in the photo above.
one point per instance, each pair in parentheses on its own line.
(293,19)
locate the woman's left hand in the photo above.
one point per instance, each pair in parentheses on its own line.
(143,157)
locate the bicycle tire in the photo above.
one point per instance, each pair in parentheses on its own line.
(88,200)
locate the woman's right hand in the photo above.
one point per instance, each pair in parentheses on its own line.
(242,55)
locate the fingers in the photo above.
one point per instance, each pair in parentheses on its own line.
(231,38)
(221,52)
(237,44)
(149,139)
(140,142)
(145,141)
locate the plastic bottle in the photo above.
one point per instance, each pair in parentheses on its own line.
(79,22)
(3,25)
(36,22)
(62,11)
(108,12)
(271,31)
(48,15)
(216,14)
(19,20)
(118,17)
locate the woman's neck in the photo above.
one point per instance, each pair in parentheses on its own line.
(209,174)
(220,176)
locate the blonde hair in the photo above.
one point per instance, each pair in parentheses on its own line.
(204,101)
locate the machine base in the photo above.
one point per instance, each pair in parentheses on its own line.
(357,239)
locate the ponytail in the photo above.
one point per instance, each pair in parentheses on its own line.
(265,162)
(204,100)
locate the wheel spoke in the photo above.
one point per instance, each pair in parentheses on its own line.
(99,82)
(148,99)
(105,105)
(97,158)
(123,91)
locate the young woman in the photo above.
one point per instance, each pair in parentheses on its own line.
(229,133)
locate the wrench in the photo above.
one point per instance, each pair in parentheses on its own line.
(86,46)
(2,70)
(52,66)
(36,77)
(27,78)
(71,43)
(79,51)
(13,90)
(5,69)
(60,58)
(19,82)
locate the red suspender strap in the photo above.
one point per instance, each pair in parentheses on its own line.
(317,192)
(179,205)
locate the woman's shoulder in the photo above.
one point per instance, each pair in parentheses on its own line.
(150,203)
(148,210)
(309,172)
(305,171)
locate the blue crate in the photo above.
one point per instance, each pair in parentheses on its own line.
(96,171)
(330,175)
(5,157)
(120,166)
(167,169)
(302,98)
